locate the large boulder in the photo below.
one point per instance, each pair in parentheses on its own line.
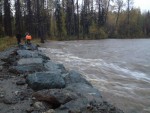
(75,106)
(41,55)
(55,97)
(84,90)
(28,47)
(1,63)
(6,54)
(27,54)
(51,66)
(45,80)
(75,77)
(28,61)
(83,105)
(26,69)
(31,54)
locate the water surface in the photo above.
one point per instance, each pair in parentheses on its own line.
(120,69)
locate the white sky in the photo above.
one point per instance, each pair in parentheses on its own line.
(144,5)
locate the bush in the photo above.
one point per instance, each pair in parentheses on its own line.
(102,33)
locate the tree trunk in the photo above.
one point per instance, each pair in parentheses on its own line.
(7,18)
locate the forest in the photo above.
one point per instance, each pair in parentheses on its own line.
(73,19)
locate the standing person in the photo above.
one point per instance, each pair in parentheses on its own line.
(24,37)
(18,37)
(28,38)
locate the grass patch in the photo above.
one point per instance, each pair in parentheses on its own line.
(36,41)
(7,42)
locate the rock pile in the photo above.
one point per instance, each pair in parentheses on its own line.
(55,89)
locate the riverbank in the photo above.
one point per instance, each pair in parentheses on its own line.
(32,83)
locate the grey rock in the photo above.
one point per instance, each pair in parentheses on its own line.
(16,92)
(25,94)
(83,90)
(55,96)
(28,47)
(23,69)
(27,54)
(49,111)
(75,77)
(51,66)
(21,82)
(45,80)
(8,100)
(28,61)
(43,56)
(31,54)
(2,63)
(5,54)
(75,105)
(83,105)
(30,110)
(10,60)
(39,105)
(1,95)
(51,100)
(1,68)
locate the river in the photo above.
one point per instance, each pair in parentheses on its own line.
(119,68)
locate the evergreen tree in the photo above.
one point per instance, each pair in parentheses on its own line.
(70,22)
(7,18)
(18,20)
(58,16)
(1,18)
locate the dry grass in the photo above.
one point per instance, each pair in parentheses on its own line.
(36,41)
(7,42)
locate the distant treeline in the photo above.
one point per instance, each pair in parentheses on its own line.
(73,19)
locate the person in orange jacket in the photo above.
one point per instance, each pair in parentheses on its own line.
(28,38)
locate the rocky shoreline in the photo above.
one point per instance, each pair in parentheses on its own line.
(32,83)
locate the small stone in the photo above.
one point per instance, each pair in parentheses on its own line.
(21,75)
(1,68)
(9,101)
(1,96)
(16,93)
(147,110)
(33,98)
(29,110)
(49,111)
(70,111)
(89,107)
(21,82)
(13,76)
(1,79)
(38,105)
(6,101)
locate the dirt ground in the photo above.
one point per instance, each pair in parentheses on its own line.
(14,98)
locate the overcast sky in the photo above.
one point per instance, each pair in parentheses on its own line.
(143,4)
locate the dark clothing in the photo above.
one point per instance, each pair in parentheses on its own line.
(28,41)
(18,36)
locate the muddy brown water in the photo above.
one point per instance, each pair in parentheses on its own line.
(120,69)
